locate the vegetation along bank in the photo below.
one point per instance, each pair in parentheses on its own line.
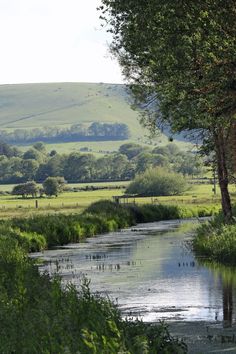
(53,319)
(40,316)
(45,231)
(216,240)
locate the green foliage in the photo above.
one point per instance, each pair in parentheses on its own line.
(25,189)
(132,159)
(157,182)
(61,229)
(100,217)
(7,150)
(178,59)
(150,213)
(77,132)
(53,185)
(176,67)
(113,211)
(28,240)
(131,150)
(216,241)
(143,338)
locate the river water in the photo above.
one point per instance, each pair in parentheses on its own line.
(150,271)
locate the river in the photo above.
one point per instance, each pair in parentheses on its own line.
(151,272)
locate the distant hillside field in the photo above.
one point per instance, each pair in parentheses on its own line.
(29,106)
(61,104)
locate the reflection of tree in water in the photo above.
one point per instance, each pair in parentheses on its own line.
(227,303)
(227,275)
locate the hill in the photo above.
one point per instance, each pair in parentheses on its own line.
(29,106)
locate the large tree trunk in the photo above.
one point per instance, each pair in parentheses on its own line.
(220,149)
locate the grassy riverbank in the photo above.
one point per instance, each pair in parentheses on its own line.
(45,231)
(40,316)
(216,241)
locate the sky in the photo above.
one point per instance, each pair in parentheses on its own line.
(54,41)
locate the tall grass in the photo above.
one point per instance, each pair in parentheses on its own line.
(103,216)
(216,241)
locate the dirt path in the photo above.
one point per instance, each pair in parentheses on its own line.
(205,337)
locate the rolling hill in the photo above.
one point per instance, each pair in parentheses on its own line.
(28,106)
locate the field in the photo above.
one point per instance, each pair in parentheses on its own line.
(75,202)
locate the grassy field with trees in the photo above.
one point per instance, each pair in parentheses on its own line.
(82,195)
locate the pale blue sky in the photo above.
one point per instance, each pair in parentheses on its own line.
(54,41)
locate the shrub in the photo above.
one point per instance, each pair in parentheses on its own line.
(157,182)
(29,241)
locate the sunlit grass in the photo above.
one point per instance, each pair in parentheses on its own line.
(75,202)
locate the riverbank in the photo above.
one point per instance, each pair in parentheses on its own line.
(39,316)
(46,231)
(205,337)
(216,241)
(60,319)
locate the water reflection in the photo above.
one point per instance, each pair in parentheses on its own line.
(228,280)
(152,272)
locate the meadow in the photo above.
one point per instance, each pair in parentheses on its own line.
(76,202)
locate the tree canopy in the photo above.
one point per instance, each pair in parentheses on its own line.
(179,57)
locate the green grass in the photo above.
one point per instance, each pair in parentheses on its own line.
(9,187)
(63,104)
(101,216)
(98,148)
(75,202)
(216,240)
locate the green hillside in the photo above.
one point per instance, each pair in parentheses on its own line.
(27,106)
(60,104)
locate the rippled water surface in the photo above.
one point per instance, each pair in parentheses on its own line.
(151,272)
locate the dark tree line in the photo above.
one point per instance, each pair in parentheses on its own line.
(77,132)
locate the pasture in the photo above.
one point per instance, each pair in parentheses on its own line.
(77,201)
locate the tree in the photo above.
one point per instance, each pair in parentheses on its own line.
(53,167)
(40,147)
(8,150)
(79,167)
(179,57)
(53,185)
(33,154)
(29,169)
(131,150)
(25,189)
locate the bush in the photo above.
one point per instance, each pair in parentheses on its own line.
(29,241)
(157,182)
